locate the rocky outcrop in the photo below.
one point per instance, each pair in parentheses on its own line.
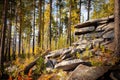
(83,72)
(70,64)
(92,34)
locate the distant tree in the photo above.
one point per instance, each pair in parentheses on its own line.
(88,13)
(102,9)
(69,27)
(4,17)
(33,49)
(50,37)
(117,27)
(80,10)
(43,11)
(20,27)
(40,23)
(9,30)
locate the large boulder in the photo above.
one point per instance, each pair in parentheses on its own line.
(79,42)
(83,72)
(70,64)
(109,26)
(55,53)
(50,63)
(92,28)
(109,35)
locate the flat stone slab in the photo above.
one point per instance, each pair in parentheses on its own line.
(83,72)
(69,65)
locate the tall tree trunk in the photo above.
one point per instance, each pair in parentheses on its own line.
(34,28)
(117,27)
(9,33)
(50,37)
(88,14)
(80,11)
(14,45)
(20,28)
(43,25)
(3,35)
(60,27)
(15,35)
(39,33)
(69,24)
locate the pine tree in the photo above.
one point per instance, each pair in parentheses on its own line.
(117,27)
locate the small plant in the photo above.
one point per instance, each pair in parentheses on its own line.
(96,61)
(78,55)
(40,66)
(87,55)
(102,48)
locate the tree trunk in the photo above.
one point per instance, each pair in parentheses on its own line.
(33,49)
(20,29)
(39,33)
(88,14)
(69,24)
(60,27)
(80,11)
(15,36)
(117,27)
(43,25)
(9,33)
(50,37)
(3,35)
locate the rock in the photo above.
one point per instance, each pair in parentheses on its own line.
(75,50)
(69,65)
(101,27)
(50,63)
(66,56)
(66,51)
(92,28)
(110,46)
(96,42)
(93,35)
(115,75)
(98,53)
(108,26)
(108,35)
(79,42)
(55,53)
(82,47)
(83,72)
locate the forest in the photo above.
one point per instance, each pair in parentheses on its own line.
(56,39)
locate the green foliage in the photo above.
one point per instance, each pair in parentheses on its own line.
(102,8)
(102,48)
(95,62)
(78,55)
(40,66)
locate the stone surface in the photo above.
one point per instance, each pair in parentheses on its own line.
(86,29)
(110,46)
(69,65)
(108,26)
(93,35)
(83,72)
(55,53)
(79,42)
(109,34)
(50,63)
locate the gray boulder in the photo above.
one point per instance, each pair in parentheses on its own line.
(55,53)
(69,65)
(108,35)
(83,72)
(92,28)
(50,63)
